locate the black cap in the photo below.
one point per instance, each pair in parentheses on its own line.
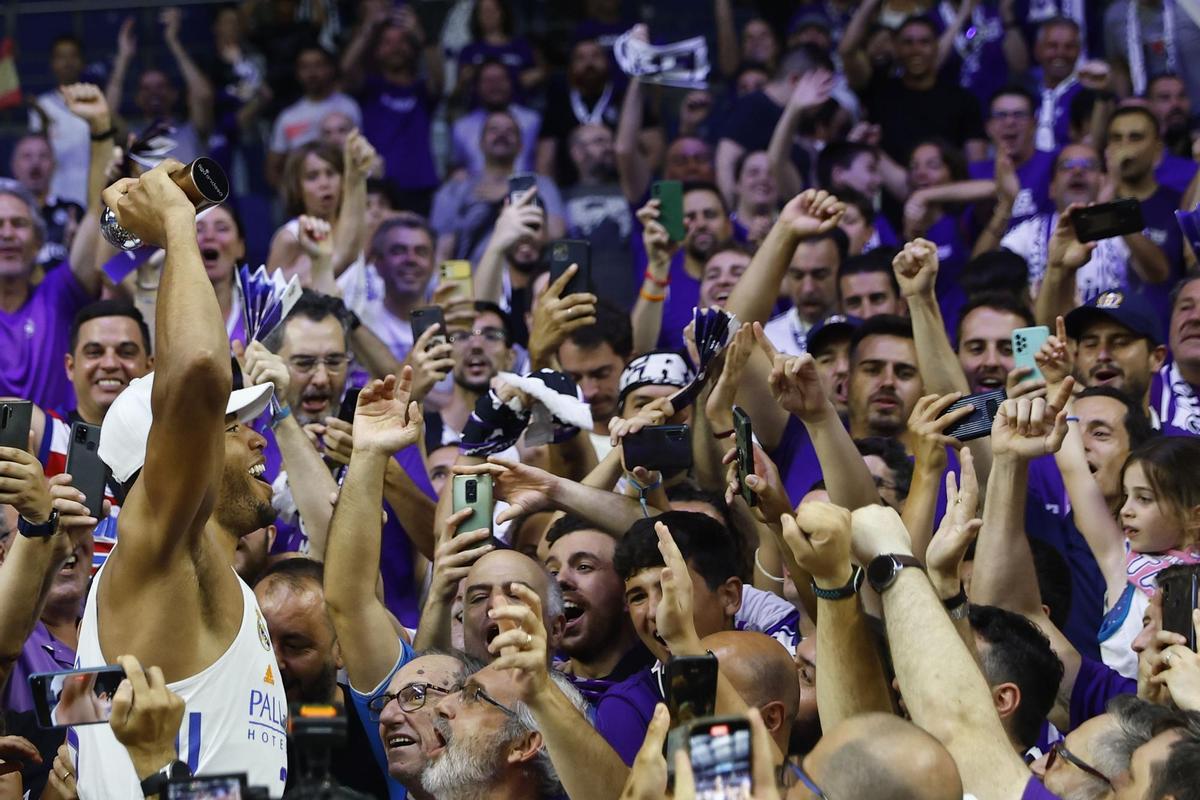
(831,327)
(1132,311)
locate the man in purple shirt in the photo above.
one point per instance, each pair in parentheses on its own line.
(1056,50)
(1010,126)
(1168,99)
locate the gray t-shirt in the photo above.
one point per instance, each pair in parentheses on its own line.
(300,122)
(456,210)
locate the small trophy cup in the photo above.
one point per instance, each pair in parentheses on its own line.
(203,181)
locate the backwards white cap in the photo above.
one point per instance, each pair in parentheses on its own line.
(126,426)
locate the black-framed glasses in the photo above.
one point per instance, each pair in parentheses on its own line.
(474,693)
(334,362)
(490,334)
(1060,749)
(793,773)
(411,698)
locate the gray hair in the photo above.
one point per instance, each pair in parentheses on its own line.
(523,723)
(14,188)
(1137,722)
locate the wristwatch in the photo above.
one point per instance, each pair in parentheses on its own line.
(882,571)
(958,607)
(842,592)
(43,531)
(157,783)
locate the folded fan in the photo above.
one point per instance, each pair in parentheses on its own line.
(713,331)
(266,302)
(1189,223)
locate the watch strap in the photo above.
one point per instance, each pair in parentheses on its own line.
(957,607)
(157,783)
(842,592)
(882,570)
(43,530)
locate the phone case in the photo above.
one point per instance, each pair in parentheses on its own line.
(979,424)
(208,786)
(425,318)
(349,405)
(88,473)
(1179,587)
(691,686)
(1026,342)
(744,438)
(474,492)
(564,253)
(721,753)
(15,418)
(1106,220)
(670,210)
(519,183)
(666,448)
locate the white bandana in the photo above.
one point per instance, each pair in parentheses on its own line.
(1135,47)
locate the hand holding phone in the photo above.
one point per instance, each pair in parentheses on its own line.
(669,195)
(564,253)
(744,438)
(75,697)
(665,448)
(425,318)
(979,423)
(1108,220)
(457,275)
(89,474)
(1026,342)
(1180,587)
(16,417)
(474,492)
(721,753)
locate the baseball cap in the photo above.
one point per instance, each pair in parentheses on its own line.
(1130,310)
(126,426)
(656,368)
(820,334)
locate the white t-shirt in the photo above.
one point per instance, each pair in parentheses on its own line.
(70,138)
(1106,269)
(300,122)
(788,333)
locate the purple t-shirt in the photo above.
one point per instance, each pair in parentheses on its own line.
(1163,230)
(1034,176)
(1095,685)
(397,120)
(34,338)
(1175,172)
(40,653)
(1034,790)
(977,55)
(623,713)
(949,234)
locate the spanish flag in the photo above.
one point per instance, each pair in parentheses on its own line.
(10,83)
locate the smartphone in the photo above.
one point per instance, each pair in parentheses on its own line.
(474,492)
(564,253)
(349,405)
(1026,342)
(744,439)
(691,687)
(666,448)
(669,195)
(979,423)
(1106,220)
(458,272)
(75,696)
(1179,585)
(425,318)
(15,418)
(721,754)
(208,787)
(521,182)
(88,473)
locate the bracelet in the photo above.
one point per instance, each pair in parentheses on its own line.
(642,491)
(767,575)
(353,322)
(652,298)
(108,134)
(1072,419)
(657,281)
(957,606)
(279,416)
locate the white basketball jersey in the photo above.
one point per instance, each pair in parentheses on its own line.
(235,718)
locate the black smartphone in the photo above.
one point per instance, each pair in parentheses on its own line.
(666,448)
(1106,220)
(425,318)
(88,473)
(208,787)
(564,253)
(721,754)
(979,423)
(691,686)
(521,182)
(349,405)
(744,438)
(669,195)
(15,418)
(1179,585)
(75,696)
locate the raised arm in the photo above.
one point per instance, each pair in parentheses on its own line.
(1065,254)
(349,235)
(633,170)
(1016,51)
(1007,185)
(199,90)
(86,101)
(556,317)
(728,50)
(646,318)
(360,44)
(384,423)
(916,268)
(516,221)
(928,428)
(853,47)
(126,50)
(811,92)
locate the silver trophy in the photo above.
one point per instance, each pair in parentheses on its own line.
(203,181)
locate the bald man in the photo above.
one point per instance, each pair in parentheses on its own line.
(882,756)
(490,577)
(763,673)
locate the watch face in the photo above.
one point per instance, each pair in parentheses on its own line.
(880,571)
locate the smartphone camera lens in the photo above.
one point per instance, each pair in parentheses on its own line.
(472,492)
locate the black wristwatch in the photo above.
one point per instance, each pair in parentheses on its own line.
(958,607)
(842,592)
(43,531)
(882,571)
(157,783)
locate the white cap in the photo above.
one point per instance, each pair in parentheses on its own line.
(126,426)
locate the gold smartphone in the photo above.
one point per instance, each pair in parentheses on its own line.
(458,272)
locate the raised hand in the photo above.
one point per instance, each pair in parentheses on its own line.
(522,642)
(1008,185)
(1064,250)
(15,753)
(812,89)
(929,423)
(262,366)
(648,776)
(456,551)
(359,156)
(521,219)
(795,383)
(556,317)
(773,501)
(916,268)
(145,716)
(877,530)
(127,39)
(819,538)
(526,489)
(673,618)
(149,205)
(316,238)
(1027,428)
(171,19)
(659,247)
(1055,359)
(23,485)
(812,213)
(1181,672)
(958,528)
(74,520)
(87,101)
(386,420)
(431,359)
(719,405)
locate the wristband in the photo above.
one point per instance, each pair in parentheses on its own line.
(652,298)
(957,607)
(279,416)
(44,530)
(767,575)
(108,134)
(353,322)
(842,592)
(659,282)
(723,434)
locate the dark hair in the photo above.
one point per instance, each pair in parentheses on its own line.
(1019,653)
(704,543)
(1014,90)
(1058,21)
(310,305)
(894,458)
(917,19)
(67,38)
(1170,466)
(1131,111)
(840,241)
(1053,579)
(1137,424)
(998,301)
(488,307)
(999,269)
(1176,774)
(688,491)
(706,186)
(506,20)
(612,327)
(1180,285)
(750,66)
(796,61)
(842,155)
(872,261)
(296,573)
(1160,76)
(387,188)
(110,308)
(292,186)
(952,157)
(568,524)
(881,325)
(853,197)
(403,219)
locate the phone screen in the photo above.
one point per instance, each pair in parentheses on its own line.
(212,787)
(745,453)
(75,697)
(691,688)
(720,756)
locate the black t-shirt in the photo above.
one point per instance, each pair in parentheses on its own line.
(560,118)
(907,116)
(751,122)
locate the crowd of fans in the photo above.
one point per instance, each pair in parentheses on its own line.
(886,196)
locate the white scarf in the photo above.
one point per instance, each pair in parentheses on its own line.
(1178,404)
(969,43)
(1045,139)
(596,115)
(1135,47)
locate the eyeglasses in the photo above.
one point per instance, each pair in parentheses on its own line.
(334,362)
(1060,749)
(411,698)
(1004,116)
(793,773)
(1086,164)
(490,334)
(473,693)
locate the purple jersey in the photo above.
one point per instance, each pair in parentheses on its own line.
(1095,685)
(40,653)
(1175,172)
(623,713)
(35,337)
(397,120)
(1034,176)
